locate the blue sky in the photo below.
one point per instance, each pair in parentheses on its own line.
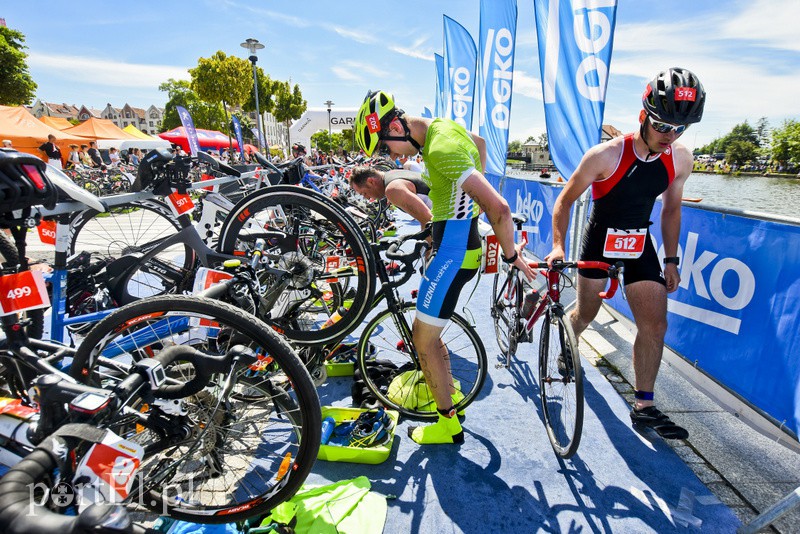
(746,53)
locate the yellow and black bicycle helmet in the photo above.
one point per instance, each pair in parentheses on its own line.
(375,114)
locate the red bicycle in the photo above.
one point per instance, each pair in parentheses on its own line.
(516,310)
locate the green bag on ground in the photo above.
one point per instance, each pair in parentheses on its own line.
(410,390)
(346,507)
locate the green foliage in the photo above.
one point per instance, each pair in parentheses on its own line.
(742,142)
(222,78)
(289,103)
(16,84)
(786,143)
(266,100)
(247,124)
(334,142)
(209,116)
(515,146)
(740,152)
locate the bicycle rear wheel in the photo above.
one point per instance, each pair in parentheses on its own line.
(505,306)
(241,454)
(129,229)
(386,340)
(305,231)
(560,384)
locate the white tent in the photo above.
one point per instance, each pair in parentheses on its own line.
(316,119)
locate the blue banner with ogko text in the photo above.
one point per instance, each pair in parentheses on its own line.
(736,312)
(575,42)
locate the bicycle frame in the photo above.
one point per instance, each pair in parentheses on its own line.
(188,235)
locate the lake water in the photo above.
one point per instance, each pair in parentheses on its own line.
(774,196)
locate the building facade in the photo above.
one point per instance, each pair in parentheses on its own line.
(50,109)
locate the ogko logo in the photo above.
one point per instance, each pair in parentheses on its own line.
(726,281)
(502,53)
(532,209)
(591,32)
(462,82)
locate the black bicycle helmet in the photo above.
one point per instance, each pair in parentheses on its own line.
(675,96)
(297,147)
(23,184)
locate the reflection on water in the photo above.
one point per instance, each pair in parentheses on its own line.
(776,196)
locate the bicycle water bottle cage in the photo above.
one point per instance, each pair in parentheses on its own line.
(23,184)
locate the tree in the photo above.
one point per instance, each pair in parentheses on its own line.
(543,142)
(740,152)
(209,116)
(786,143)
(742,132)
(515,147)
(222,78)
(246,123)
(266,101)
(742,140)
(763,132)
(16,84)
(289,103)
(334,142)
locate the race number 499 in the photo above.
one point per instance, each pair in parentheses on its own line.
(22,291)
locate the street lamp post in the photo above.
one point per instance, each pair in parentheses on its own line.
(253,46)
(330,139)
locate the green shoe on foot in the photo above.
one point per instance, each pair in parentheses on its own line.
(446,430)
(458,397)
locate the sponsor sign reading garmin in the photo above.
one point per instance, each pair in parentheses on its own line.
(460,59)
(438,110)
(575,42)
(736,312)
(498,32)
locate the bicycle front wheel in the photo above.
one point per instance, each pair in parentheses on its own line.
(505,306)
(312,239)
(560,382)
(242,451)
(386,342)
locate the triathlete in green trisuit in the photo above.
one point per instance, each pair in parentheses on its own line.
(454,162)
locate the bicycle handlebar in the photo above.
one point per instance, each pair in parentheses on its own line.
(392,247)
(216,164)
(614,271)
(20,514)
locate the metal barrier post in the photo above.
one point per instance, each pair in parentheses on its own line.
(772,514)
(577,225)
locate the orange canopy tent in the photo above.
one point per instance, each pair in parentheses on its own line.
(59,123)
(95,128)
(27,133)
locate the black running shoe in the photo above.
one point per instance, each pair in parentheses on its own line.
(652,417)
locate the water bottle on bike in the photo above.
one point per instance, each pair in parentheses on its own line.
(533,293)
